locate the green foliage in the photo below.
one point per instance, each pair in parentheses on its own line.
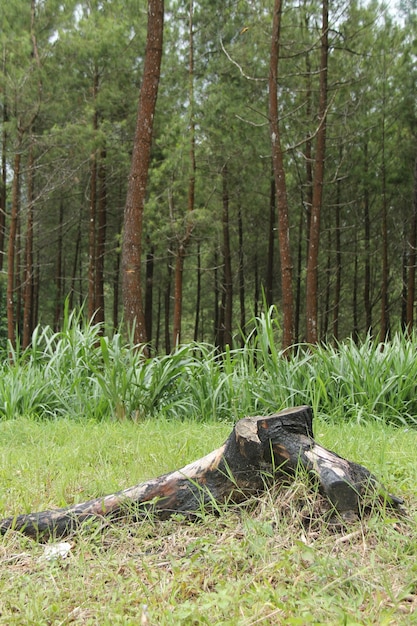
(82,374)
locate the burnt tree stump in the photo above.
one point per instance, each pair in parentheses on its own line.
(259,450)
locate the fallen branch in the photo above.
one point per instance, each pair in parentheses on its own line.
(258,451)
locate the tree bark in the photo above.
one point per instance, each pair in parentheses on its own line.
(28,272)
(280,184)
(259,451)
(185,239)
(138,178)
(367,244)
(317,198)
(227,296)
(241,275)
(11,251)
(198,294)
(269,280)
(100,248)
(150,262)
(412,257)
(59,287)
(92,226)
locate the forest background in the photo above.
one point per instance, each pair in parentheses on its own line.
(345,89)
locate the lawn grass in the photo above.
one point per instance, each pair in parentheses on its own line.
(273,561)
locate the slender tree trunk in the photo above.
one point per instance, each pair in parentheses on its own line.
(227,265)
(384,332)
(92,255)
(178,288)
(317,200)
(185,239)
(138,178)
(11,251)
(158,321)
(100,249)
(18,273)
(3,182)
(367,243)
(150,257)
(326,311)
(308,145)
(216,291)
(28,277)
(298,278)
(59,272)
(271,243)
(355,332)
(116,275)
(257,288)
(76,261)
(36,285)
(280,183)
(338,284)
(198,294)
(167,307)
(412,257)
(404,271)
(241,275)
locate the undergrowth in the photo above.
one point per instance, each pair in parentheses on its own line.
(80,373)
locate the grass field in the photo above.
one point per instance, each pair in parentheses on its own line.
(273,561)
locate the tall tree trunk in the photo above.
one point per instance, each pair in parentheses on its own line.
(298,278)
(3,181)
(280,183)
(59,272)
(317,199)
(198,294)
(167,308)
(256,286)
(216,291)
(271,244)
(28,277)
(384,332)
(185,239)
(158,321)
(150,258)
(100,249)
(138,178)
(241,275)
(338,284)
(326,311)
(76,260)
(355,331)
(367,244)
(11,251)
(116,274)
(227,266)
(308,145)
(92,305)
(412,257)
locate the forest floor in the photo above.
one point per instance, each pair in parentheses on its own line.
(273,561)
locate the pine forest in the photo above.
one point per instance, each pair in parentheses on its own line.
(180,167)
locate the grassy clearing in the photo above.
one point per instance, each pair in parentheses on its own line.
(274,561)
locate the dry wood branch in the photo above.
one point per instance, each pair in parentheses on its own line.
(258,451)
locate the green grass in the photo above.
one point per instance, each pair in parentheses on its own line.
(82,415)
(273,561)
(78,373)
